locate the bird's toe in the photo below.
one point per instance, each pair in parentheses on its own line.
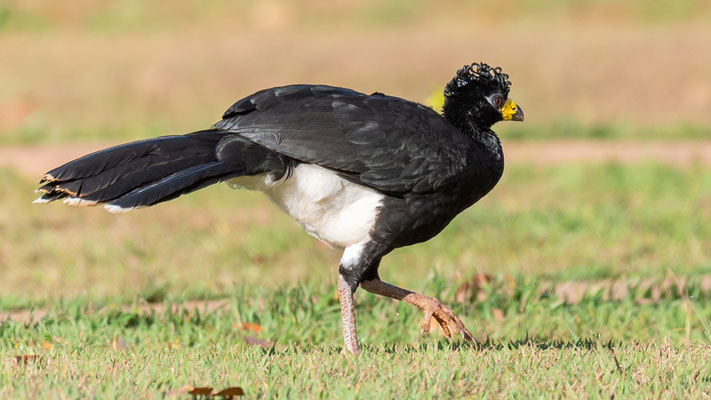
(446,318)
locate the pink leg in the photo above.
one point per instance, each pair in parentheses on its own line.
(432,307)
(345,295)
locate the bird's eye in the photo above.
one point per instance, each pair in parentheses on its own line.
(498,101)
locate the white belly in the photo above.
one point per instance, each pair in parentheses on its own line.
(337,212)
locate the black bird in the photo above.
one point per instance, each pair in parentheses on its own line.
(363,173)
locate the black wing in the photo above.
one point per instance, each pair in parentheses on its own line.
(387,143)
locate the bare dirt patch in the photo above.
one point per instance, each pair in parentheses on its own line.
(678,153)
(34,161)
(29,317)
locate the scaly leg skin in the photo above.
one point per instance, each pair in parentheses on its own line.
(450,323)
(345,295)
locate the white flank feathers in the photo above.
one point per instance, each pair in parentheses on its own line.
(338,212)
(351,255)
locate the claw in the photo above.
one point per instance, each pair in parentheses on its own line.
(446,319)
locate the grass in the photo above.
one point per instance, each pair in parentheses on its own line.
(593,348)
(93,273)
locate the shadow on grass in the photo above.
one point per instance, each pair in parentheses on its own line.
(539,344)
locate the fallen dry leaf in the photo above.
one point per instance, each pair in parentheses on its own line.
(201,391)
(230,392)
(247,326)
(27,358)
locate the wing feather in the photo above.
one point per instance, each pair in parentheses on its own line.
(387,143)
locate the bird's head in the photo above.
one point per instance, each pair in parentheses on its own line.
(477,97)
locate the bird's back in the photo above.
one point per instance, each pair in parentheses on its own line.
(392,145)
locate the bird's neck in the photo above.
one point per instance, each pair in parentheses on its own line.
(488,138)
(476,128)
(480,134)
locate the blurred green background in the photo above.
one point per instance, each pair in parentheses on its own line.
(113,70)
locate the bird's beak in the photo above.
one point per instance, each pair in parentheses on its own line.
(510,111)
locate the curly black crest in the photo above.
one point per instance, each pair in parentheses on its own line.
(481,73)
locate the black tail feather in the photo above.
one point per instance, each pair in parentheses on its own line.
(97,162)
(148,172)
(196,143)
(140,173)
(119,180)
(173,186)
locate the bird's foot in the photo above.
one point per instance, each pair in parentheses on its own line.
(450,323)
(433,308)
